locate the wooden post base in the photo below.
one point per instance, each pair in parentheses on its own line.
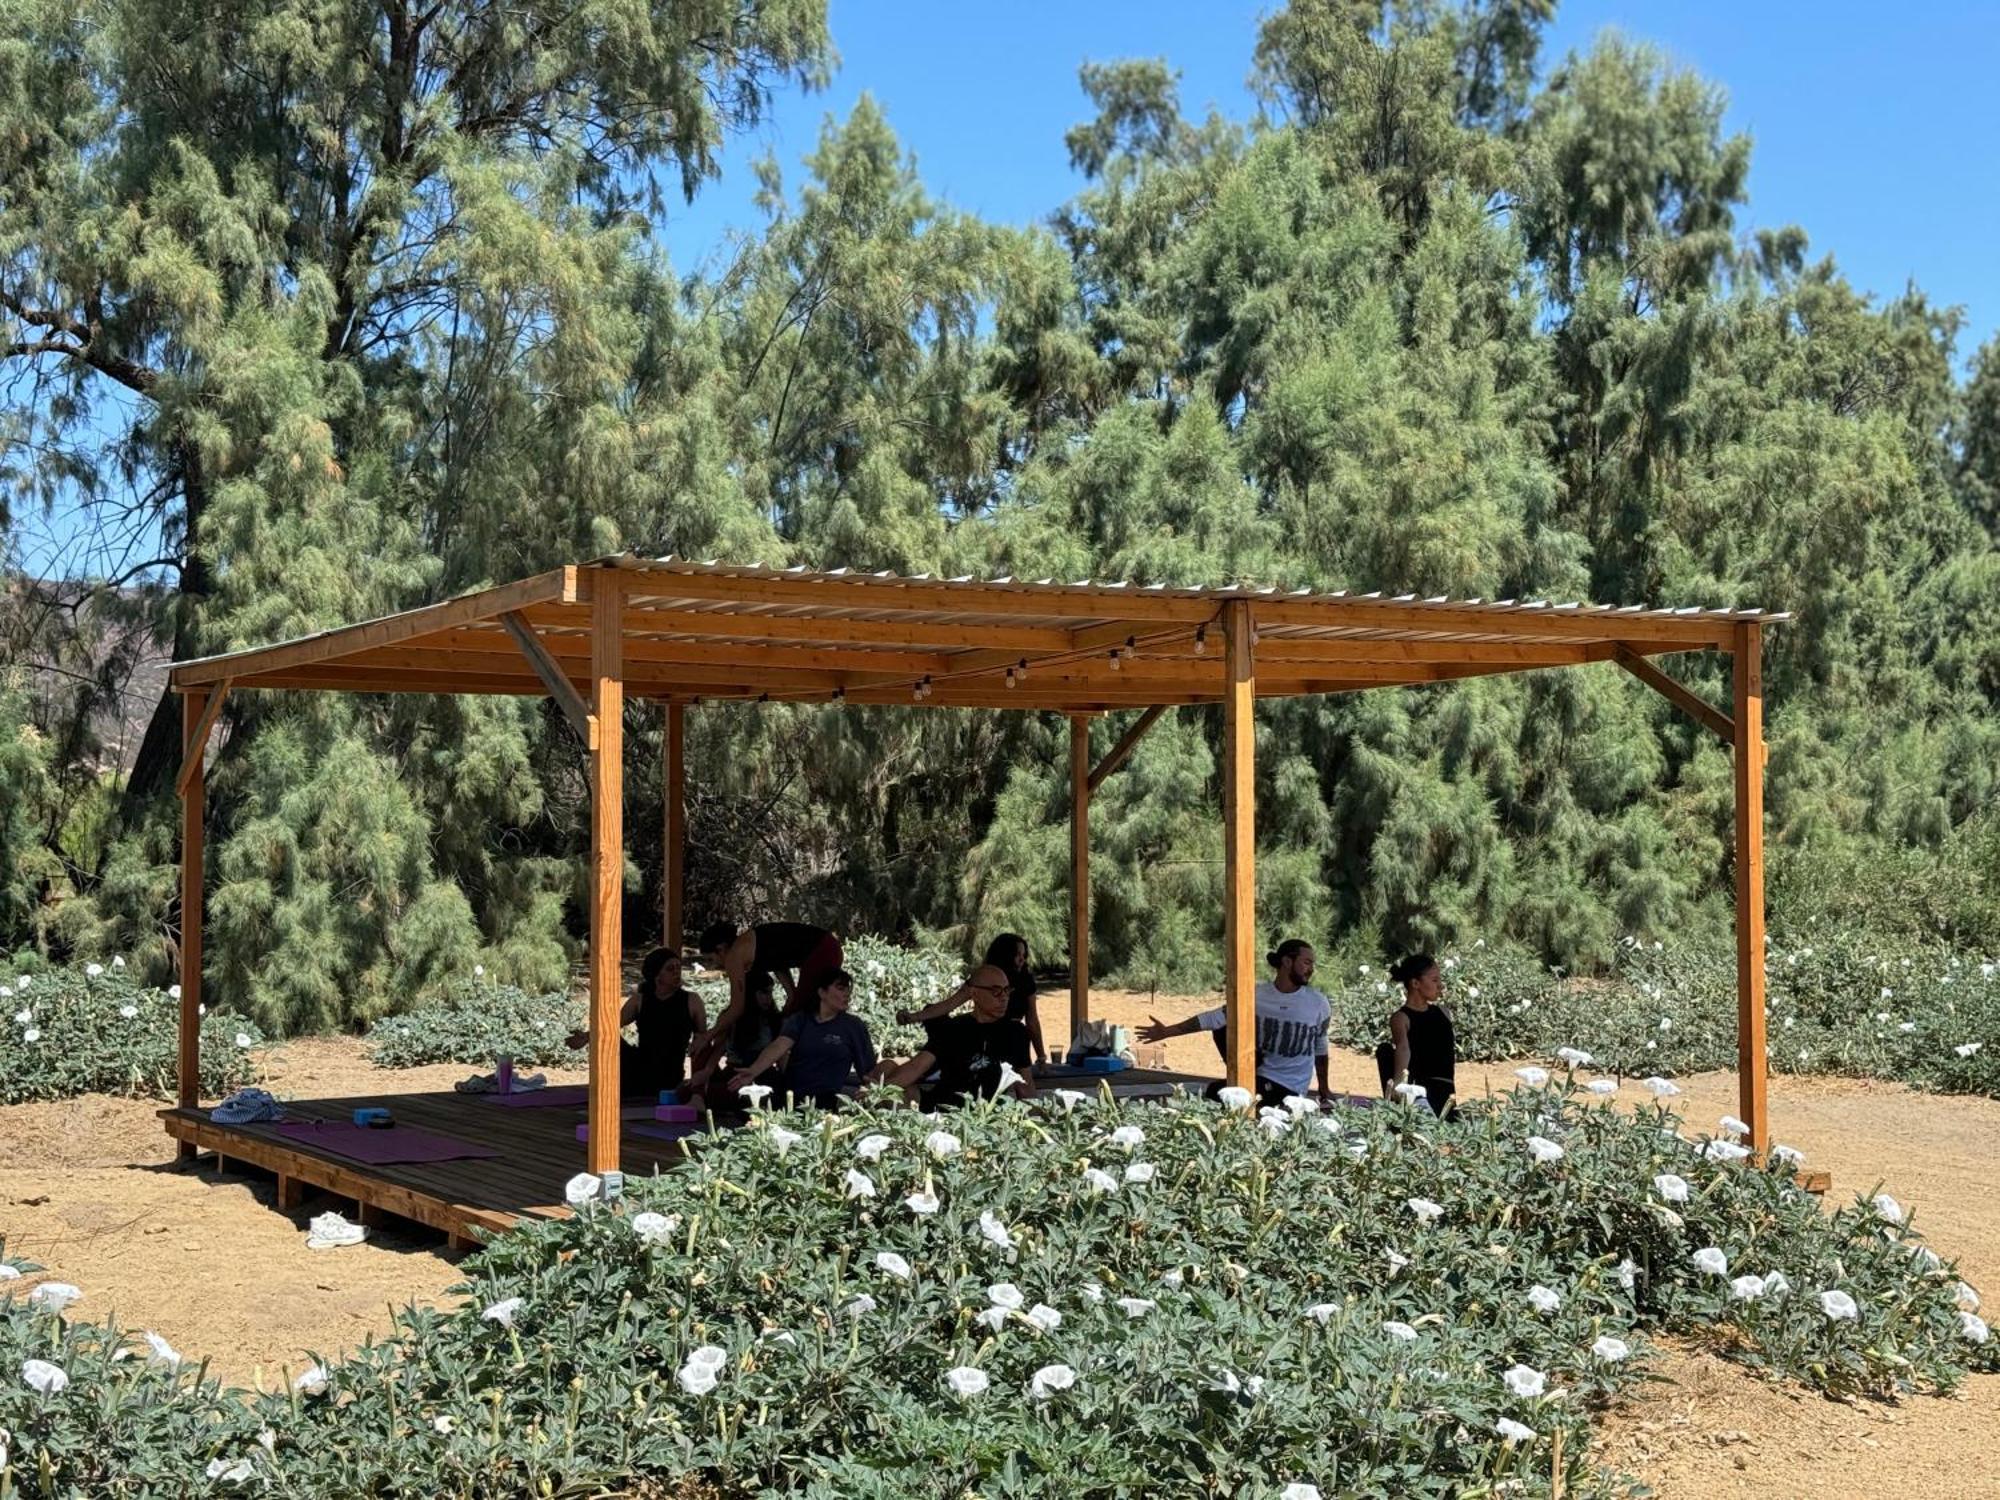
(291,1192)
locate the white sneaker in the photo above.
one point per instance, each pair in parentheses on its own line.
(329,1231)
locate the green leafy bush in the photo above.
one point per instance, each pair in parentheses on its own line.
(92,1030)
(853,1305)
(469,1020)
(1840,1003)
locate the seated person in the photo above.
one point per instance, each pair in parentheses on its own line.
(967,1052)
(668,1014)
(1292,1023)
(744,1043)
(1422,1048)
(817,1053)
(1008,953)
(777,948)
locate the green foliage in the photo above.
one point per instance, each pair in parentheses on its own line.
(470,1020)
(93,1030)
(1296,1319)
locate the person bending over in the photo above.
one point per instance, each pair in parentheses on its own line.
(969,1053)
(800,956)
(1424,1048)
(817,1052)
(748,1035)
(1008,953)
(669,1015)
(1292,1019)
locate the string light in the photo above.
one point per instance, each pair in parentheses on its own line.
(1116,661)
(1201,640)
(1010,677)
(1131,646)
(1021,669)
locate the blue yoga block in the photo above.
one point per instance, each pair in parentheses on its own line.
(1105,1065)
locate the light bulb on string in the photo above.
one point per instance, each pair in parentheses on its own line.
(1116,663)
(1201,640)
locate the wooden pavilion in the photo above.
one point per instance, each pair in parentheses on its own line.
(680,633)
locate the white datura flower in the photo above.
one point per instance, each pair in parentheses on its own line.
(1397,1261)
(1402,1332)
(1525,1381)
(1747,1288)
(1790,1156)
(1128,1137)
(1425,1210)
(1320,1312)
(582,1188)
(966,1381)
(40,1375)
(1775,1284)
(1005,1295)
(756,1093)
(1412,1093)
(442,1426)
(1091,1292)
(1604,1088)
(1533,1077)
(1610,1349)
(783,1139)
(859,1184)
(237,1471)
(889,1263)
(1136,1307)
(128,1012)
(1733,1126)
(1627,1272)
(1300,1105)
(243,1039)
(994,1318)
(1966,1049)
(1711,1260)
(994,1232)
(1009,1076)
(1044,1317)
(9,1273)
(312,1380)
(1973,1327)
(1544,1299)
(697,1379)
(1968,1295)
(173,992)
(1661,1088)
(1299,1490)
(1234,1097)
(1139,1171)
(1576,1057)
(1071,1098)
(93,970)
(871,1146)
(861,1306)
(655,1229)
(1097,1180)
(118,961)
(1720,1150)
(163,1353)
(1544,1150)
(1512,1431)
(1887,1209)
(1051,1378)
(1672,1188)
(502,1312)
(1838,1307)
(32,1034)
(922,1204)
(53,1296)
(23,1016)
(1174,1278)
(942,1143)
(1273,1121)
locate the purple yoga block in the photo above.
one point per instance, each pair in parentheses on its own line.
(676,1114)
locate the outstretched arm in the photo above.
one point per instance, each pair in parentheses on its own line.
(1156,1030)
(768,1059)
(936,1008)
(911,1074)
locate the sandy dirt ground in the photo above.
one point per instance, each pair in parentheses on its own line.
(88,1188)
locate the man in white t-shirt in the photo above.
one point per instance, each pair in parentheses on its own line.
(1292,1022)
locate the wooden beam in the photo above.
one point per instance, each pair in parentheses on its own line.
(191,759)
(674,774)
(329,645)
(194,719)
(572,648)
(553,678)
(1079,873)
(607,874)
(1239,843)
(1122,751)
(667,623)
(1678,695)
(1751,1063)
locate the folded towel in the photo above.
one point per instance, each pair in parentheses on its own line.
(247,1107)
(329,1231)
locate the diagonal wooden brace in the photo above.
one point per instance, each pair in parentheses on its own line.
(197,745)
(1712,717)
(1122,751)
(568,699)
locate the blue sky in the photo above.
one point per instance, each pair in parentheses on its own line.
(1872,126)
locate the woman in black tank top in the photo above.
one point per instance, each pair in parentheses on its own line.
(1422,1044)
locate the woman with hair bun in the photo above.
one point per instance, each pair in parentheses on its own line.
(1423,1046)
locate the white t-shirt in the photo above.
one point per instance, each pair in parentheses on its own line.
(1291,1033)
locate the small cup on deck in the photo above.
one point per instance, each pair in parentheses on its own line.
(503,1072)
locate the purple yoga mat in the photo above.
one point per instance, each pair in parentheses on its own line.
(562,1095)
(397,1143)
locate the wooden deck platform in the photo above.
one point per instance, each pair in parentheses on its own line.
(468,1198)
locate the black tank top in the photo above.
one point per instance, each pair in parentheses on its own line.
(665,1029)
(1433,1046)
(784,945)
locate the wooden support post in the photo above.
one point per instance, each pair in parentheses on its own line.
(291,1191)
(194,729)
(674,866)
(1751,1063)
(607,865)
(1239,847)
(1079,873)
